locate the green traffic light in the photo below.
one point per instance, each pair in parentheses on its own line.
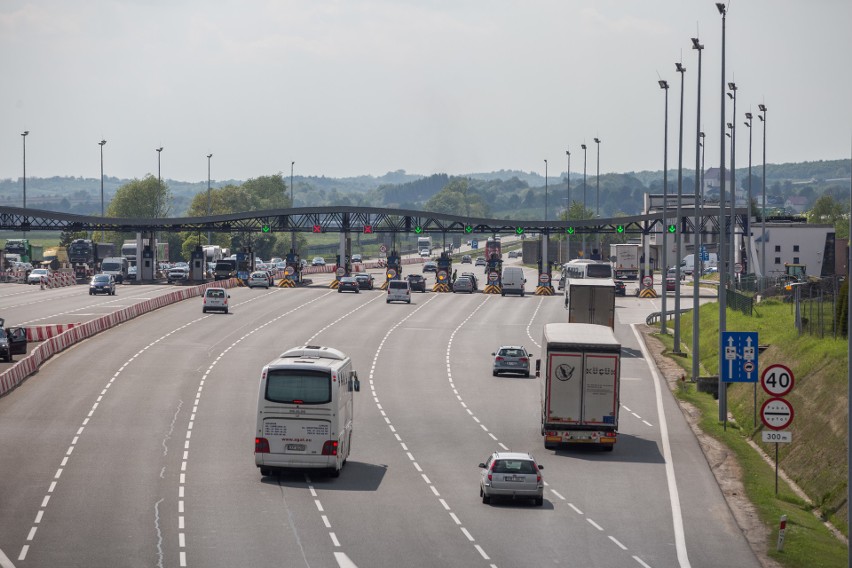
(468,228)
(418,229)
(620,229)
(519,231)
(570,230)
(672,228)
(265,228)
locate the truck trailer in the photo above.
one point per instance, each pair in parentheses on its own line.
(581,386)
(590,300)
(627,261)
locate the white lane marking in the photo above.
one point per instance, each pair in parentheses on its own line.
(639,560)
(674,497)
(594,524)
(5,562)
(343,561)
(615,540)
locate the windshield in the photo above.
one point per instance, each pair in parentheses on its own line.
(599,271)
(110,266)
(101,279)
(296,386)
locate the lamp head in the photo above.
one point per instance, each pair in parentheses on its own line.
(25,132)
(663,84)
(730,96)
(696,45)
(747,124)
(721,8)
(160,149)
(760,117)
(680,68)
(209,156)
(597,140)
(102,142)
(702,134)
(762,108)
(748,115)
(732,86)
(583,146)
(730,125)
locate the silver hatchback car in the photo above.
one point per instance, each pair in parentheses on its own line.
(511,359)
(513,475)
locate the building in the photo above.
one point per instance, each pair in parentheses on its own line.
(795,243)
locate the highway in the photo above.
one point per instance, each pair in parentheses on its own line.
(134,448)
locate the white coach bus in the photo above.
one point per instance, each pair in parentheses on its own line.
(304,411)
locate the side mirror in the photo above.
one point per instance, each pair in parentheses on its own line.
(541,467)
(482,465)
(538,367)
(494,354)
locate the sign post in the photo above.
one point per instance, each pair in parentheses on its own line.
(777,413)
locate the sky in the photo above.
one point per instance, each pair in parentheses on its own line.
(343,88)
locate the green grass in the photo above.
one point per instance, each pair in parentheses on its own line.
(816,460)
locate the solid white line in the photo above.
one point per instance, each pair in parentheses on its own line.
(674,497)
(5,562)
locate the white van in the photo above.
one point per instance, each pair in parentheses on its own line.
(513,281)
(687,266)
(399,291)
(304,411)
(117,266)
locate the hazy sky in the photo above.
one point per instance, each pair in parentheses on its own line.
(347,88)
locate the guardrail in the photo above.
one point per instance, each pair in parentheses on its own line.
(655,316)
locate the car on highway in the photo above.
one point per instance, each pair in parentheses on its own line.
(425,253)
(514,254)
(620,288)
(511,475)
(463,284)
(365,281)
(398,291)
(416,282)
(480,261)
(177,274)
(131,272)
(473,279)
(356,258)
(102,284)
(215,299)
(671,284)
(318,261)
(37,274)
(430,266)
(13,341)
(466,259)
(348,284)
(511,359)
(259,279)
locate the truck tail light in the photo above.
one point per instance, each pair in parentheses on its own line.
(261,446)
(329,448)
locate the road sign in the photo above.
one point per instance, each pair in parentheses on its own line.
(289,271)
(776,413)
(777,437)
(648,281)
(544,278)
(442,275)
(383,248)
(493,276)
(474,244)
(777,380)
(738,267)
(740,365)
(391,273)
(341,271)
(705,256)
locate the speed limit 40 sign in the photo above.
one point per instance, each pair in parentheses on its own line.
(777,380)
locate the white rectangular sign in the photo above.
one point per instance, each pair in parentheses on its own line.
(782,437)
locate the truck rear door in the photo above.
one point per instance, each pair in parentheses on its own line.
(564,388)
(600,386)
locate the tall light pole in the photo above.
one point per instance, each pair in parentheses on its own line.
(696,238)
(583,146)
(159,182)
(733,125)
(748,205)
(24,139)
(101,144)
(723,273)
(664,85)
(209,209)
(292,204)
(762,118)
(598,191)
(568,208)
(545,191)
(678,223)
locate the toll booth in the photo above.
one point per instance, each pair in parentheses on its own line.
(293,272)
(393,270)
(196,264)
(444,273)
(244,264)
(146,271)
(346,265)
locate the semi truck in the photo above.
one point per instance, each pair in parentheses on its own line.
(26,251)
(581,387)
(626,261)
(424,243)
(590,300)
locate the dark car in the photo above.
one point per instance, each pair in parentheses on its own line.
(463,284)
(466,259)
(102,284)
(430,266)
(417,282)
(348,284)
(473,279)
(671,284)
(620,288)
(13,341)
(365,281)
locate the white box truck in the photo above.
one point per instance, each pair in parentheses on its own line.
(687,265)
(627,261)
(581,386)
(590,300)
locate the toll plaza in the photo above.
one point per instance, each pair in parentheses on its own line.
(292,272)
(493,274)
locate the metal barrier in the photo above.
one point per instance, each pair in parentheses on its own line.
(655,316)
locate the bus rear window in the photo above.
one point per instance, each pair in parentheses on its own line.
(294,386)
(598,271)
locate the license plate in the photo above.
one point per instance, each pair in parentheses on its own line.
(513,478)
(295,447)
(511,362)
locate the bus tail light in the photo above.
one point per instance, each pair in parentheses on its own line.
(329,448)
(261,446)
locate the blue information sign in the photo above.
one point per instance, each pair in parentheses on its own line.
(740,361)
(474,244)
(705,256)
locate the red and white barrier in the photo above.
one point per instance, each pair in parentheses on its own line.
(45,332)
(73,333)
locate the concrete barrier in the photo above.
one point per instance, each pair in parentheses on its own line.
(57,341)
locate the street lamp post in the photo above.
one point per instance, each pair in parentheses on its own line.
(24,139)
(733,125)
(665,86)
(696,239)
(762,118)
(568,207)
(545,191)
(723,284)
(209,209)
(292,203)
(679,224)
(545,260)
(598,191)
(583,146)
(159,182)
(101,144)
(748,205)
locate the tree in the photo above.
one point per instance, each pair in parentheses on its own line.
(145,199)
(457,199)
(827,210)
